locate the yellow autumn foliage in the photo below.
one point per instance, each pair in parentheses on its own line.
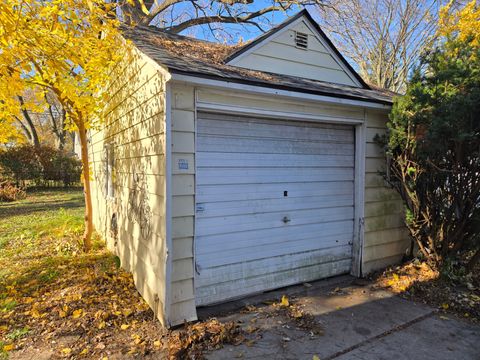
(65,47)
(463,24)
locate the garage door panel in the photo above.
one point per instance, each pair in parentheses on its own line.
(282,247)
(229,224)
(268,265)
(245,239)
(257,206)
(274,204)
(245,160)
(213,294)
(271,146)
(279,130)
(215,176)
(239,192)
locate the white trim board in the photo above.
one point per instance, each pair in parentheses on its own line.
(168,201)
(287,94)
(271,114)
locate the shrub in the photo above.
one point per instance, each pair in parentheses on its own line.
(21,163)
(434,151)
(10,192)
(40,164)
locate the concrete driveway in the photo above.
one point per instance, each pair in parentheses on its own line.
(358,321)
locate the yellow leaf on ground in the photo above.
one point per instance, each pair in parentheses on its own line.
(445,306)
(8,347)
(285,301)
(77,313)
(62,313)
(315,357)
(101,325)
(124,326)
(157,343)
(84,352)
(66,351)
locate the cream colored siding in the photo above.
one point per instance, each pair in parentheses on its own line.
(386,238)
(182,297)
(135,129)
(280,55)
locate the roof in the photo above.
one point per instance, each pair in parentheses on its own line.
(200,58)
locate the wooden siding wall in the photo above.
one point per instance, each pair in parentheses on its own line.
(386,238)
(135,128)
(182,294)
(280,55)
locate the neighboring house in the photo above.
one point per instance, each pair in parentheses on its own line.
(224,171)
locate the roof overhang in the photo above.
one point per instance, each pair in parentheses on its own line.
(276,90)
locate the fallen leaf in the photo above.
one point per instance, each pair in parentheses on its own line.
(66,351)
(77,313)
(157,343)
(315,357)
(445,306)
(102,325)
(285,301)
(124,326)
(8,347)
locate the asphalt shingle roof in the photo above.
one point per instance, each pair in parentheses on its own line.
(185,55)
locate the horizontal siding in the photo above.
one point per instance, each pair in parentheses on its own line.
(182,297)
(135,128)
(386,239)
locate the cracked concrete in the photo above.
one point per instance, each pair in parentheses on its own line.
(359,323)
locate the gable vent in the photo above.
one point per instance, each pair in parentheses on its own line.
(301,40)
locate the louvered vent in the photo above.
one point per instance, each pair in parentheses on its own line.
(301,40)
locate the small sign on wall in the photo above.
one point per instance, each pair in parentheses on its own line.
(182,164)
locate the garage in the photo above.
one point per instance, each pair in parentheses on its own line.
(274,204)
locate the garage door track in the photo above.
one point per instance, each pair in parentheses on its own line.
(357,321)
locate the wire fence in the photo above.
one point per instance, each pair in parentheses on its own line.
(47,179)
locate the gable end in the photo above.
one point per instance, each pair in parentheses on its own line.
(297,47)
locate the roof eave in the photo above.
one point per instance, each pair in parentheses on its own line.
(279,87)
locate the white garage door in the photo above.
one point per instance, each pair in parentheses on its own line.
(274,204)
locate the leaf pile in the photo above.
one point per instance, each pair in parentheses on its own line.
(56,298)
(194,339)
(297,315)
(419,282)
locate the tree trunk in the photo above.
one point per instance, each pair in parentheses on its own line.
(28,119)
(87,236)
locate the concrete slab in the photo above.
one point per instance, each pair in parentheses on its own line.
(433,338)
(359,322)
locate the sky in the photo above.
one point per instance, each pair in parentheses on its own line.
(232,33)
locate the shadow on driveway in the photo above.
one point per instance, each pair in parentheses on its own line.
(359,322)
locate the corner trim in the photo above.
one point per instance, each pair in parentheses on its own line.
(168,200)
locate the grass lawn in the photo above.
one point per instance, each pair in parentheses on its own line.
(59,302)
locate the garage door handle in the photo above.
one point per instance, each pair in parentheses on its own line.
(286,219)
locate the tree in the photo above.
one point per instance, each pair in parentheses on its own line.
(384,37)
(65,48)
(434,143)
(179,15)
